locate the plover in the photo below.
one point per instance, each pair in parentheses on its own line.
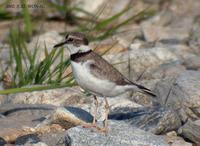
(95,74)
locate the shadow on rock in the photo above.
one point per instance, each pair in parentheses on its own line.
(158,119)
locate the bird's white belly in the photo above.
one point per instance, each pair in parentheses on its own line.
(86,80)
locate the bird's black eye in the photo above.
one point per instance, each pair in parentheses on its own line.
(70,40)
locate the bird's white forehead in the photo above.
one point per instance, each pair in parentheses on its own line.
(75,37)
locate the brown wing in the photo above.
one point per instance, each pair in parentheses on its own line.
(103,70)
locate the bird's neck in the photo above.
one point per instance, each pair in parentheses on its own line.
(80,56)
(78,49)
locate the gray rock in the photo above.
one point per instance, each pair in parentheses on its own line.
(181,9)
(163,89)
(165,70)
(48,40)
(154,33)
(161,18)
(59,138)
(191,131)
(14,110)
(140,59)
(27,139)
(2,141)
(119,134)
(158,120)
(194,41)
(3,98)
(166,26)
(4,54)
(180,49)
(88,104)
(182,94)
(90,6)
(174,140)
(192,63)
(67,117)
(65,96)
(19,116)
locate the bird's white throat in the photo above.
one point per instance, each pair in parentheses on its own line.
(75,49)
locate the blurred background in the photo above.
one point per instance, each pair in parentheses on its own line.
(153,42)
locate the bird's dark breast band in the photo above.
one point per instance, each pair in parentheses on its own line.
(79,56)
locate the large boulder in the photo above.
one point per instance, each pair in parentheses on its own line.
(191,131)
(120,133)
(182,94)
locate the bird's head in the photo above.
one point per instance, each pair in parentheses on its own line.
(75,42)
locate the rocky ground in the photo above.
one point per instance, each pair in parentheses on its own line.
(162,53)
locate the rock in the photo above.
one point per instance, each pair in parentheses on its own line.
(182,94)
(158,120)
(59,138)
(52,25)
(68,117)
(38,119)
(50,138)
(180,49)
(119,134)
(16,117)
(13,109)
(4,54)
(166,25)
(27,139)
(175,140)
(25,116)
(191,131)
(165,70)
(163,89)
(192,63)
(5,27)
(135,61)
(154,33)
(65,96)
(88,5)
(194,41)
(46,40)
(126,38)
(121,102)
(141,99)
(162,18)
(181,9)
(2,141)
(3,98)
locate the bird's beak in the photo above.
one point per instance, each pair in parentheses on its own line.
(60,44)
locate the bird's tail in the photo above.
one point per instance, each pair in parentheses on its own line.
(145,90)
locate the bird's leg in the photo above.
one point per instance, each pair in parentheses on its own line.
(107,108)
(88,125)
(96,108)
(105,122)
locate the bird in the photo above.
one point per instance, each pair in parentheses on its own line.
(96,75)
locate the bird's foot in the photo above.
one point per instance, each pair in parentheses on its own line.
(96,128)
(89,125)
(102,129)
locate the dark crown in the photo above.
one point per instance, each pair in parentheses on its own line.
(76,38)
